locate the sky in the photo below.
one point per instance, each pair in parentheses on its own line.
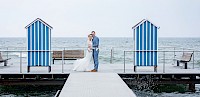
(109,18)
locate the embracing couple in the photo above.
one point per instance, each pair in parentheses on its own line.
(91,59)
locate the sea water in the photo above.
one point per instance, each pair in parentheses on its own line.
(118,46)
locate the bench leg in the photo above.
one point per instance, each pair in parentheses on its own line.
(178,62)
(155,68)
(185,65)
(134,68)
(49,68)
(53,61)
(28,69)
(5,63)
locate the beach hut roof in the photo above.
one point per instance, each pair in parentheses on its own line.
(143,22)
(38,19)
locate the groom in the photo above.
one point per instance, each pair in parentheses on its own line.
(95,48)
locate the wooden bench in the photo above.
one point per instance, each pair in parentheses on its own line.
(4,60)
(186,57)
(68,55)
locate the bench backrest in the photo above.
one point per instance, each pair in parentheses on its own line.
(57,54)
(186,57)
(69,54)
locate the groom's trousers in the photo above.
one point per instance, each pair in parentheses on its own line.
(96,59)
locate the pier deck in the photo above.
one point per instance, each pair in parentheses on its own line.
(104,68)
(95,85)
(14,74)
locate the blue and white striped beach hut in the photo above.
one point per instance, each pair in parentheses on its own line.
(39,44)
(146,44)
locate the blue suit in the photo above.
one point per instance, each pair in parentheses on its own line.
(95,44)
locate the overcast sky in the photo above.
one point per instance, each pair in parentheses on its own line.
(109,18)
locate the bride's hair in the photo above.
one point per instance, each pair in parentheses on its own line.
(89,35)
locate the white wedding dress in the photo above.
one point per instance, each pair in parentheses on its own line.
(87,62)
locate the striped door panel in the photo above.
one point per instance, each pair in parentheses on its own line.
(146,44)
(39,44)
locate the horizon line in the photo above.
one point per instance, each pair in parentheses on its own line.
(106,37)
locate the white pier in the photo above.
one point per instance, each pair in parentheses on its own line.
(88,84)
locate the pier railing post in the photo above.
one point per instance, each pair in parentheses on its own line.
(163,61)
(50,61)
(193,59)
(64,54)
(111,55)
(20,61)
(124,61)
(174,55)
(134,60)
(7,52)
(62,61)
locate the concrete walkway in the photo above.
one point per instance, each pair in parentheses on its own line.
(88,84)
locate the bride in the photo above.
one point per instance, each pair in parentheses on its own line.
(85,63)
